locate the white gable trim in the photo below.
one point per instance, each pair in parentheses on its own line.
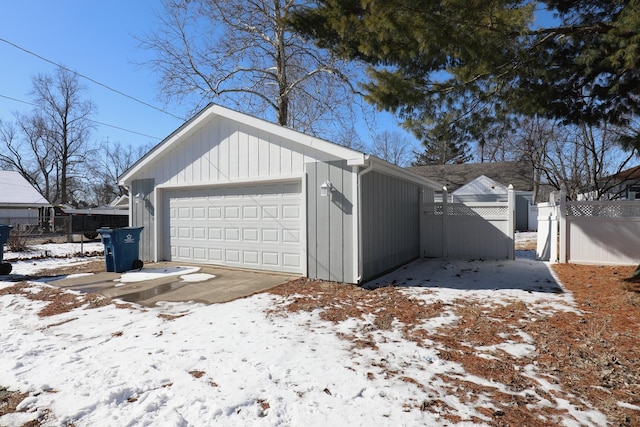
(481,185)
(212,110)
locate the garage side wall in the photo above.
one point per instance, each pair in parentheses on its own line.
(330,222)
(390,223)
(143,215)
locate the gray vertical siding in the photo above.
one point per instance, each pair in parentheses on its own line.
(143,215)
(330,222)
(390,223)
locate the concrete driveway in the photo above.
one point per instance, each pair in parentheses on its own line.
(176,282)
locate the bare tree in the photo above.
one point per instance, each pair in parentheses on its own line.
(50,145)
(27,151)
(243,54)
(393,147)
(117,158)
(351,139)
(581,159)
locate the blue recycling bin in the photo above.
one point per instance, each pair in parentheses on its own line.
(121,248)
(5,267)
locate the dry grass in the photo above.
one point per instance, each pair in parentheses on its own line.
(592,357)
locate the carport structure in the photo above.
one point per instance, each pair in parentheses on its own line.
(230,189)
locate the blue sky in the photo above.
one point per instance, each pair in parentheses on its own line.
(96,39)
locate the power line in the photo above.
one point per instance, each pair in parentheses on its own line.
(90,120)
(90,79)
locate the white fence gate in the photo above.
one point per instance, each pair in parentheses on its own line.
(474,229)
(589,232)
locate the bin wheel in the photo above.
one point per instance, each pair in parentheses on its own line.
(5,268)
(137,265)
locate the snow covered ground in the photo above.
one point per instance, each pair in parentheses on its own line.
(235,364)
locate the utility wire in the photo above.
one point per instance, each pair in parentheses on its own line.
(90,79)
(90,120)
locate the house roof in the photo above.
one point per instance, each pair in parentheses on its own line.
(353,157)
(518,174)
(628,174)
(18,193)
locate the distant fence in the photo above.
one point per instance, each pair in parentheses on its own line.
(30,226)
(589,232)
(473,229)
(58,226)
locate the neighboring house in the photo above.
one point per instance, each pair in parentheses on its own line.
(624,185)
(19,201)
(454,176)
(230,189)
(486,182)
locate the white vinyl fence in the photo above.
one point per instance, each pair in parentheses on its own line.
(473,229)
(589,232)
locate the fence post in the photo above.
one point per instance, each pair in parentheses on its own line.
(562,220)
(421,201)
(511,198)
(445,214)
(553,237)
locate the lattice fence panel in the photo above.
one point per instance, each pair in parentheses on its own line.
(478,211)
(433,209)
(608,210)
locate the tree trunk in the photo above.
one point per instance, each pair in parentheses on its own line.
(635,276)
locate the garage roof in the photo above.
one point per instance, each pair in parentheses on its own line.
(353,157)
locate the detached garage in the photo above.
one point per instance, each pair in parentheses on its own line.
(233,190)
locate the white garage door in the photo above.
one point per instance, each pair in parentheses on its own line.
(257,226)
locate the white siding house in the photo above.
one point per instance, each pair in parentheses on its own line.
(19,201)
(230,189)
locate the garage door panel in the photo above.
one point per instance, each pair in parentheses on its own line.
(184,232)
(291,212)
(270,258)
(270,235)
(269,212)
(291,260)
(232,234)
(215,255)
(232,256)
(250,212)
(250,235)
(215,233)
(253,226)
(232,212)
(250,257)
(199,233)
(200,254)
(291,236)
